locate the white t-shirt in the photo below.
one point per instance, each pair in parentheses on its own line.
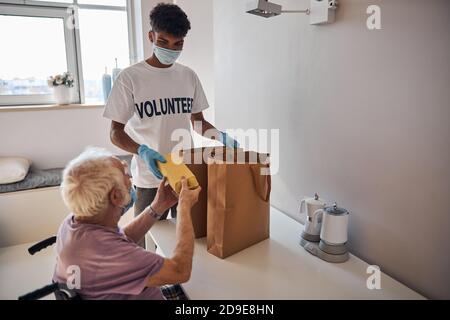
(153,103)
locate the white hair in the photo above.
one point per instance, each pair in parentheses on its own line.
(88,180)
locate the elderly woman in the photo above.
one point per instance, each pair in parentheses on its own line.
(97,189)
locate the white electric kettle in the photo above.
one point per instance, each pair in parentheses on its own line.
(331,224)
(334,226)
(313,223)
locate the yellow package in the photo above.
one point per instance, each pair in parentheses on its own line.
(174,169)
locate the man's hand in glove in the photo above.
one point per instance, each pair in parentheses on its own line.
(150,157)
(228,141)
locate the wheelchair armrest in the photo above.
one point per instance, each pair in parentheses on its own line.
(40,293)
(42,245)
(61,291)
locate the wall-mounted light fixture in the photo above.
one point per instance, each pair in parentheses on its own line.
(320,11)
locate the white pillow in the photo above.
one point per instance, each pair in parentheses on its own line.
(13,169)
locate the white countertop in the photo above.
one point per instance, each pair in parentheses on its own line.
(277,268)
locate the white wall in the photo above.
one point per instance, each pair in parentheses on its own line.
(364,119)
(146,7)
(30,216)
(198,52)
(51,138)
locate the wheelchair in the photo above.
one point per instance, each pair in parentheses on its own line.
(60,290)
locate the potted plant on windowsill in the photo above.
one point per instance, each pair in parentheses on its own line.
(62,87)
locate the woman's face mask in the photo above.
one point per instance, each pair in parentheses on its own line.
(166,56)
(132,201)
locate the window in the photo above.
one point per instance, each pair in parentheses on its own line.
(104,2)
(104,38)
(41,41)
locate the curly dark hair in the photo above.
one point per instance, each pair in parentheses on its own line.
(169,18)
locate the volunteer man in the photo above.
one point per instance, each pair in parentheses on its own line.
(155,97)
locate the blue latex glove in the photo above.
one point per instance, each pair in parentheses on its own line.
(150,157)
(228,141)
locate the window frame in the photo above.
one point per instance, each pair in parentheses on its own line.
(60,10)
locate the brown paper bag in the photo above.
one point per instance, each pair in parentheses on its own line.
(238,203)
(196,160)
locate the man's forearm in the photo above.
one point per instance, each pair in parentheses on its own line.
(138,228)
(206,129)
(185,238)
(122,140)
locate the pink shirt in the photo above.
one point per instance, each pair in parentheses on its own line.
(111,265)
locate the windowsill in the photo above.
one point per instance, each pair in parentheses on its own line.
(50,107)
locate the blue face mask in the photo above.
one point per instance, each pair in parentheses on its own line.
(166,56)
(132,201)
